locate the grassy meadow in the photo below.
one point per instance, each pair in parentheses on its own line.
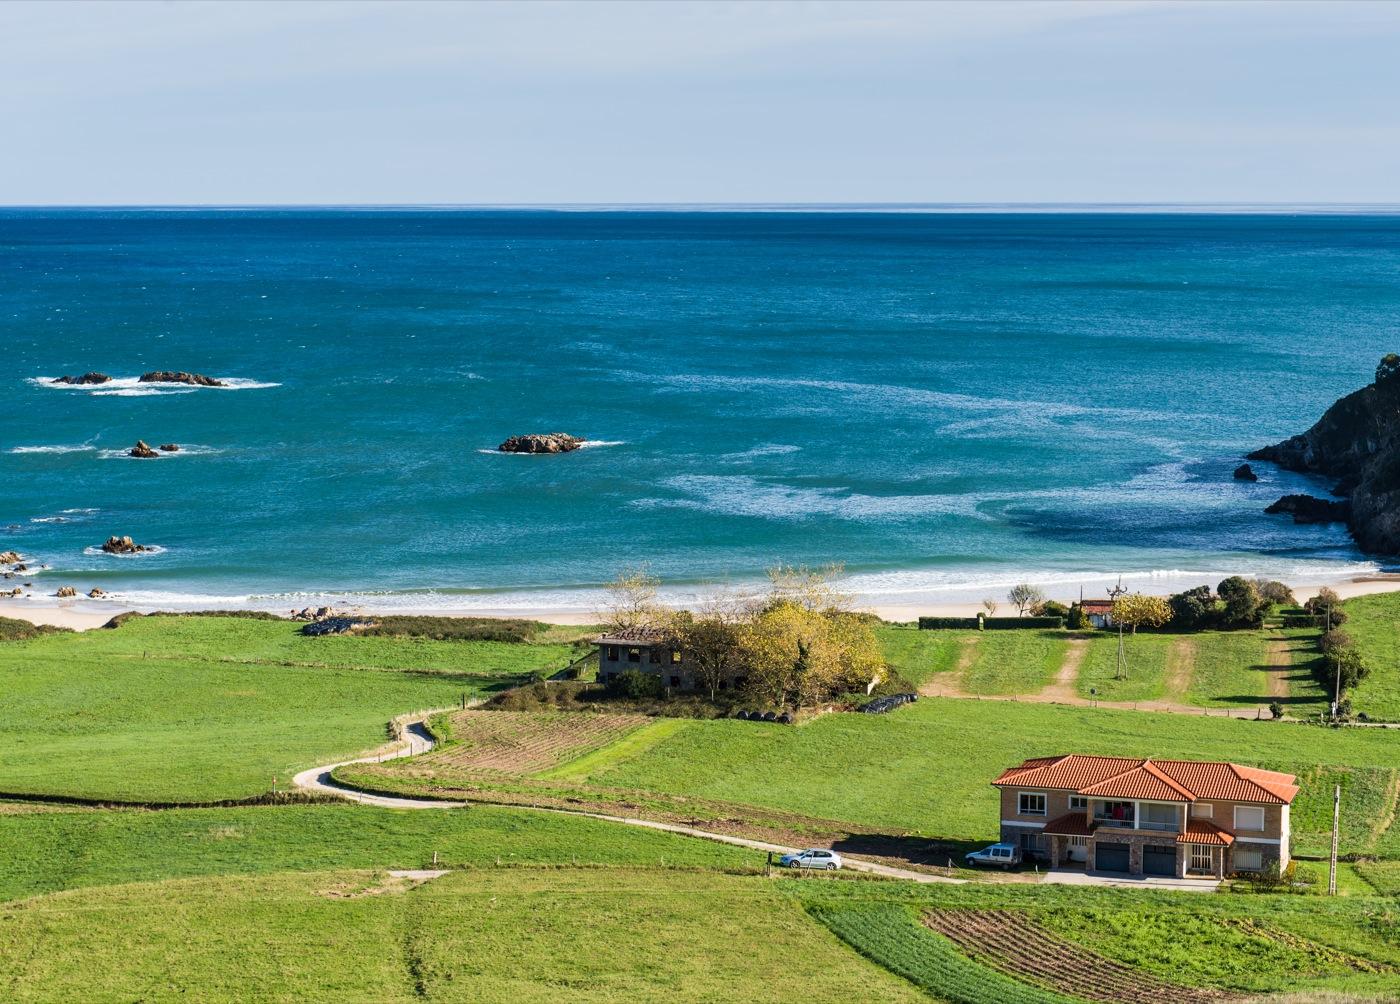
(207,708)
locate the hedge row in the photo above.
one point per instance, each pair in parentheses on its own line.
(989,623)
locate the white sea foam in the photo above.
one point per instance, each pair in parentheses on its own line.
(75,448)
(192,450)
(133,387)
(763,450)
(68,516)
(743,495)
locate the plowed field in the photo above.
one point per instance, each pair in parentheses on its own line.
(523,742)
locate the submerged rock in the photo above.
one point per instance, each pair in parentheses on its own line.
(180,376)
(1245,473)
(1357,442)
(544,442)
(86,378)
(142,451)
(123,545)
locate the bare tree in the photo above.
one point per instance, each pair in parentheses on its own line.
(812,589)
(711,646)
(632,601)
(1025,596)
(990,605)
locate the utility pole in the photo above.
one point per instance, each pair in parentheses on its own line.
(1336,824)
(1114,593)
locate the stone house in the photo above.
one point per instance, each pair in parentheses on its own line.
(653,651)
(1177,818)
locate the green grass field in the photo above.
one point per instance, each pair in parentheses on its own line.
(1014,662)
(191,709)
(516,936)
(1374,621)
(926,767)
(52,851)
(918,655)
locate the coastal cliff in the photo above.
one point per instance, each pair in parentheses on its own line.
(1357,442)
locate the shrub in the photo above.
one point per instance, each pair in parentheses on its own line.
(1192,610)
(456,628)
(1051,608)
(12,629)
(1347,664)
(1077,619)
(634,685)
(1326,606)
(1275,709)
(1244,607)
(1275,592)
(1334,641)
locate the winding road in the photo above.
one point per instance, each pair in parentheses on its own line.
(417,739)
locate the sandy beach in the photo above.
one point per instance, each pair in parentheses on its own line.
(83,615)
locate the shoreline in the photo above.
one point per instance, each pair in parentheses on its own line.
(86,614)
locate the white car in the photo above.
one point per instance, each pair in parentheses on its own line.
(1001,855)
(813,857)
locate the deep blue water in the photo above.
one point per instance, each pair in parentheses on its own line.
(943,402)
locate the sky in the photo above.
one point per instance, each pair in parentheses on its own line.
(677,102)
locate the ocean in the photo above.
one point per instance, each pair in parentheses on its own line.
(944,402)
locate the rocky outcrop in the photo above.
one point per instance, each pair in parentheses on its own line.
(123,545)
(169,447)
(545,442)
(10,557)
(173,376)
(84,380)
(1245,473)
(1357,443)
(1311,509)
(142,451)
(66,592)
(96,593)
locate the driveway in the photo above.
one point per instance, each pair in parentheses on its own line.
(1069,876)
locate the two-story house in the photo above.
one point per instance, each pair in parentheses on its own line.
(1147,817)
(655,652)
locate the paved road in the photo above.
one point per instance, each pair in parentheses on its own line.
(418,740)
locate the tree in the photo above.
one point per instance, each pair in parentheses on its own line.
(1134,610)
(711,646)
(1024,596)
(1050,608)
(1275,592)
(1325,609)
(1345,669)
(810,588)
(1192,609)
(631,601)
(990,605)
(1244,607)
(1078,620)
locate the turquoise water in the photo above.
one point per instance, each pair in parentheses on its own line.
(943,402)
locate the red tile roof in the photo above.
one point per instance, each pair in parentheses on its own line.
(1096,606)
(1157,780)
(1071,825)
(1203,831)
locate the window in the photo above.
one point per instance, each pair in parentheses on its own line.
(1202,810)
(1078,802)
(1249,817)
(653,656)
(634,655)
(1248,861)
(1031,803)
(675,656)
(612,653)
(1030,842)
(675,681)
(1158,817)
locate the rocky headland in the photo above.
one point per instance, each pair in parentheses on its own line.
(546,442)
(180,376)
(1357,443)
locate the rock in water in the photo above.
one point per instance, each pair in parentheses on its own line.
(86,378)
(546,442)
(96,593)
(172,376)
(142,450)
(1245,473)
(123,545)
(10,558)
(1310,509)
(169,447)
(1357,442)
(65,592)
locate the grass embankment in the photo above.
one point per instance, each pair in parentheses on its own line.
(50,851)
(208,708)
(511,936)
(1374,621)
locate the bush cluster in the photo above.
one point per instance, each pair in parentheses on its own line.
(456,628)
(17,630)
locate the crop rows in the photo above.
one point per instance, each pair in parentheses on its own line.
(1012,942)
(890,935)
(521,742)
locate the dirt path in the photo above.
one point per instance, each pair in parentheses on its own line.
(951,684)
(1181,662)
(1280,664)
(417,739)
(1063,689)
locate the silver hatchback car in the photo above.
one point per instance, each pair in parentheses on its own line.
(813,857)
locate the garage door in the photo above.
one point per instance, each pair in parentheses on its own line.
(1158,860)
(1111,857)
